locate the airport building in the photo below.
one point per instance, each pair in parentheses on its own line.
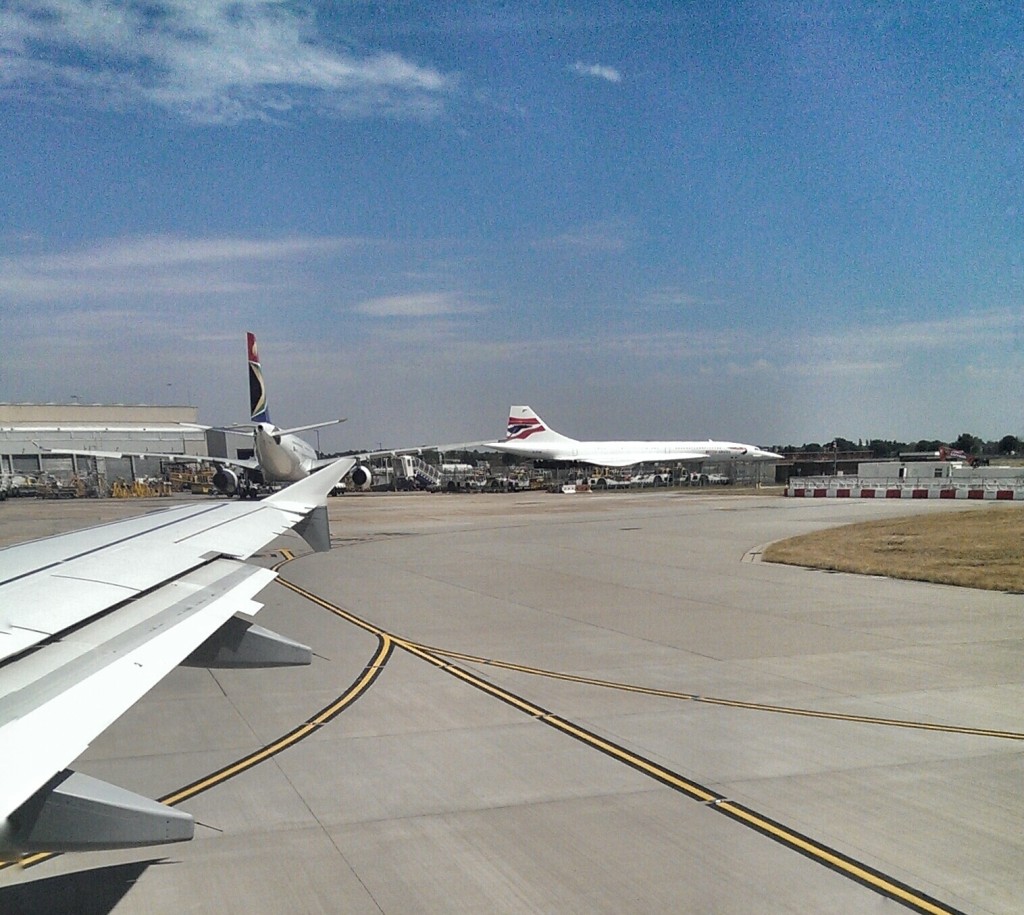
(35,438)
(915,479)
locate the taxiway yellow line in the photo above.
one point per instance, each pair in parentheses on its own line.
(731,703)
(359,686)
(833,859)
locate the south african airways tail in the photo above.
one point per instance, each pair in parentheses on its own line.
(281,455)
(257,389)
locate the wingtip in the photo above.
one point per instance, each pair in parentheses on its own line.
(313,490)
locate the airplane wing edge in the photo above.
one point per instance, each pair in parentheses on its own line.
(57,698)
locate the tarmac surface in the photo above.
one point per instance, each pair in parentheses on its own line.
(590,703)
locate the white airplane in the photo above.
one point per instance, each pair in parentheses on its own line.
(283,457)
(280,455)
(91,620)
(530,437)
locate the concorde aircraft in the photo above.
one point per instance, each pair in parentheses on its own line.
(91,620)
(530,438)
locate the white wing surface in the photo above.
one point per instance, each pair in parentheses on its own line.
(91,620)
(611,458)
(246,463)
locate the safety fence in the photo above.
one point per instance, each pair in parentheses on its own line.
(858,488)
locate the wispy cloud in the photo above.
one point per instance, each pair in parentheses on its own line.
(597,71)
(213,61)
(672,297)
(890,335)
(595,237)
(156,265)
(418,305)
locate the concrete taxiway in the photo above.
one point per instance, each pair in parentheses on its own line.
(590,703)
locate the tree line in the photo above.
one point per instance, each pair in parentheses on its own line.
(971,445)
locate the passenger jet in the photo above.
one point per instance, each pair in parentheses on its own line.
(281,456)
(531,438)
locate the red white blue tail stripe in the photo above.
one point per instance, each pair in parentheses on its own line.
(522,427)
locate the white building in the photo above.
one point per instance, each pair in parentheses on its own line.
(32,436)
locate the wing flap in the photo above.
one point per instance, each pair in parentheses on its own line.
(47,586)
(76,661)
(58,701)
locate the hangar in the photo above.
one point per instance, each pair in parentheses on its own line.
(29,431)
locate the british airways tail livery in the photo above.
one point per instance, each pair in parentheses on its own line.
(531,438)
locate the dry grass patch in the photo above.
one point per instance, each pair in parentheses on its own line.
(983,548)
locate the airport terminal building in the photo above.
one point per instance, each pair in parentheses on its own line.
(32,437)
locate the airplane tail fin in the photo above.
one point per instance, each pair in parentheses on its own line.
(257,389)
(525,423)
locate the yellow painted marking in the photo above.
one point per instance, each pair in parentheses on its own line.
(300,733)
(433,656)
(731,703)
(784,836)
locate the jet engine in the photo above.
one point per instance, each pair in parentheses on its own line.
(361,477)
(226,480)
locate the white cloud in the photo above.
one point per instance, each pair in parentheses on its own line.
(157,265)
(672,297)
(889,337)
(598,237)
(597,71)
(207,60)
(417,305)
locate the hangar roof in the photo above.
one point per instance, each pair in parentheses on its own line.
(17,414)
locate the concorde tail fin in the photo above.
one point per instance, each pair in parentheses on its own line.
(525,424)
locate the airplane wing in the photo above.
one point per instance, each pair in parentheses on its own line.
(247,463)
(91,620)
(418,449)
(629,460)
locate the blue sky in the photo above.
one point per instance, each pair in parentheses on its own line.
(769,222)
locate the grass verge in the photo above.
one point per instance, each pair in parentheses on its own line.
(983,548)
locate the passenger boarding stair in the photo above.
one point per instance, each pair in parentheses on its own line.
(416,473)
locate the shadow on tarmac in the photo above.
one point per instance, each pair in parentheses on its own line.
(87,892)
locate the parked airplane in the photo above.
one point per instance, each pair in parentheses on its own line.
(281,456)
(91,620)
(530,437)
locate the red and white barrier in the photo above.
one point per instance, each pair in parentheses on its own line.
(856,488)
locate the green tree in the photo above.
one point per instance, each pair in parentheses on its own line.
(1009,444)
(969,444)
